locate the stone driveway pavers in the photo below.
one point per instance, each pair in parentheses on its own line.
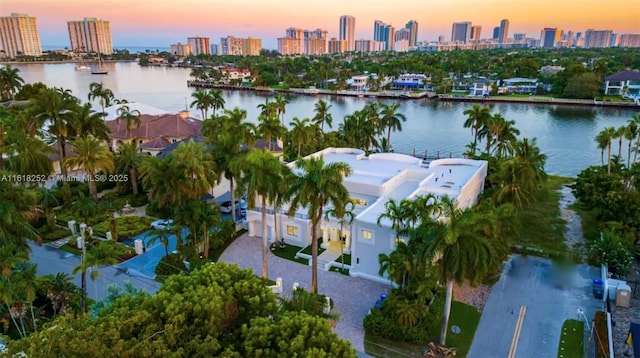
(352,297)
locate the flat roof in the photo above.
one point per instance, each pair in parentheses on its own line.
(385,176)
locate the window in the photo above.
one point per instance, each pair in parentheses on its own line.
(367,235)
(396,240)
(292,230)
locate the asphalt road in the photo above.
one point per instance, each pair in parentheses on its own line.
(530,281)
(52,261)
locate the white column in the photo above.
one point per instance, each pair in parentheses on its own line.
(325,237)
(347,241)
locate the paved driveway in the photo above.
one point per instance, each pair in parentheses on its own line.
(529,281)
(352,297)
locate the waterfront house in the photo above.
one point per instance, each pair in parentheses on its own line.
(623,83)
(155,131)
(518,85)
(375,180)
(359,83)
(236,75)
(411,81)
(480,87)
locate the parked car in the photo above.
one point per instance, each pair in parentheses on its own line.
(162,224)
(225,206)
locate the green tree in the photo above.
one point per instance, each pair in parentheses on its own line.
(583,85)
(300,133)
(262,174)
(91,157)
(104,95)
(322,116)
(477,117)
(391,120)
(131,117)
(10,82)
(47,201)
(317,185)
(89,122)
(202,101)
(99,255)
(128,160)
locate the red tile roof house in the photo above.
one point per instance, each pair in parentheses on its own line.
(155,132)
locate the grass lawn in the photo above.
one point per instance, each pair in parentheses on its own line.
(571,339)
(307,250)
(467,318)
(289,252)
(339,270)
(539,225)
(346,258)
(380,347)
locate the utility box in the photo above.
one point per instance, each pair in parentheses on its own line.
(138,246)
(598,289)
(623,296)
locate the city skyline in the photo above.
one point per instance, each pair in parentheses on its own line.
(162,22)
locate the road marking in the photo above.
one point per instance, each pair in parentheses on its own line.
(516,332)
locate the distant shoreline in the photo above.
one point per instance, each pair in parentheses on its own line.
(59,62)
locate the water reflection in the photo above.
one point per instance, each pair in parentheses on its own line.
(572,113)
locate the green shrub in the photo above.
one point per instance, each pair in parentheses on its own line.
(128,226)
(53,234)
(105,185)
(154,211)
(170,265)
(222,235)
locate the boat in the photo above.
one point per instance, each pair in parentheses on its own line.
(83,68)
(100,70)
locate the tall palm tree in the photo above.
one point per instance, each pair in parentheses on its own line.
(620,135)
(104,95)
(318,185)
(603,142)
(92,157)
(262,174)
(163,179)
(99,255)
(463,255)
(128,160)
(632,130)
(17,205)
(300,133)
(345,215)
(202,101)
(61,288)
(608,134)
(636,119)
(55,107)
(391,119)
(217,101)
(322,116)
(198,169)
(268,109)
(10,82)
(131,118)
(47,201)
(477,117)
(504,135)
(270,127)
(281,106)
(160,235)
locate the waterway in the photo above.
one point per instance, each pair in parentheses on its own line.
(564,133)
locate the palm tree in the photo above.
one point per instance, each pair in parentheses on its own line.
(128,160)
(104,95)
(197,169)
(217,101)
(463,255)
(318,185)
(268,109)
(281,106)
(620,132)
(477,117)
(262,174)
(270,127)
(91,157)
(631,132)
(607,135)
(89,122)
(162,178)
(322,114)
(61,288)
(162,236)
(636,119)
(10,82)
(391,120)
(131,117)
(300,133)
(503,134)
(603,143)
(47,201)
(203,101)
(100,255)
(17,205)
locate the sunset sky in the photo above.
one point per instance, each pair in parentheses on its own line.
(161,22)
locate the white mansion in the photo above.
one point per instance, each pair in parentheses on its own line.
(375,179)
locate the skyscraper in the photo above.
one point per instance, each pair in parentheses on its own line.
(461,32)
(199,45)
(598,38)
(19,36)
(503,33)
(384,33)
(476,30)
(90,35)
(496,33)
(348,31)
(412,26)
(549,37)
(630,40)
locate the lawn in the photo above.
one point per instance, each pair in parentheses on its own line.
(289,253)
(539,225)
(467,318)
(307,250)
(571,339)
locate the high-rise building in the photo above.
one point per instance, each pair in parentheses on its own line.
(19,36)
(233,46)
(348,31)
(384,33)
(315,46)
(294,33)
(519,37)
(412,26)
(199,45)
(503,33)
(253,46)
(337,46)
(549,37)
(180,49)
(364,45)
(442,39)
(476,30)
(90,35)
(630,40)
(496,33)
(597,38)
(461,32)
(290,46)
